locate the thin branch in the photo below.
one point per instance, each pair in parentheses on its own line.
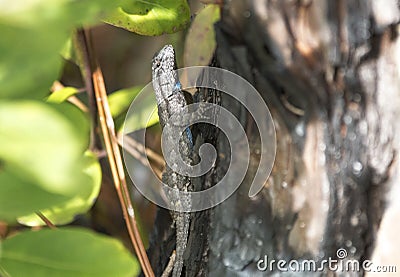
(138,156)
(72,99)
(137,150)
(114,155)
(46,220)
(147,151)
(75,100)
(170,265)
(85,66)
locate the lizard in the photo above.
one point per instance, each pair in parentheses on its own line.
(171,99)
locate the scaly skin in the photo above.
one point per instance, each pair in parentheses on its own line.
(170,100)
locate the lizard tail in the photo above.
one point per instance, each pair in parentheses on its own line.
(182,231)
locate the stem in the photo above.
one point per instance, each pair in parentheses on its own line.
(113,152)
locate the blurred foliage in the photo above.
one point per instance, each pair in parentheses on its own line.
(62,95)
(41,147)
(120,101)
(45,164)
(65,211)
(153,17)
(33,33)
(65,252)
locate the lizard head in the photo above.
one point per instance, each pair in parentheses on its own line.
(164,59)
(165,78)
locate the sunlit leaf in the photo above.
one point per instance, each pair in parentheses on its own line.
(66,252)
(61,95)
(152,18)
(120,100)
(33,33)
(64,212)
(20,196)
(41,149)
(42,143)
(139,118)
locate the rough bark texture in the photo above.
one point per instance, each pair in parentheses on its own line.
(329,72)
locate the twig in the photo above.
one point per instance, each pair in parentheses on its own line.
(46,220)
(72,99)
(147,151)
(170,265)
(75,100)
(85,66)
(129,146)
(114,155)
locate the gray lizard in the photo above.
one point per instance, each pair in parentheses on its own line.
(170,99)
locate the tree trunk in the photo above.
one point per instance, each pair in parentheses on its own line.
(329,73)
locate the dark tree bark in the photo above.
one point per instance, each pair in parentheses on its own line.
(329,72)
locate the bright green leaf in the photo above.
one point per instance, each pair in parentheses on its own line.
(152,18)
(65,211)
(19,196)
(200,42)
(120,100)
(61,95)
(66,252)
(29,60)
(43,142)
(41,161)
(139,118)
(32,35)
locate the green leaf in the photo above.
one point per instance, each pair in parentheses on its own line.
(43,142)
(41,147)
(19,196)
(64,212)
(61,95)
(66,252)
(151,18)
(67,51)
(139,118)
(29,61)
(120,100)
(32,35)
(200,41)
